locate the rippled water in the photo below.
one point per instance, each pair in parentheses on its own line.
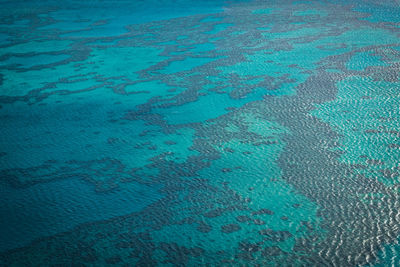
(208,133)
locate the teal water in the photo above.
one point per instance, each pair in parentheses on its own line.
(47,214)
(211,133)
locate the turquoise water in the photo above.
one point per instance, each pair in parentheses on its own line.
(211,133)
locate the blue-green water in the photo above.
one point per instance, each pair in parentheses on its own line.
(211,133)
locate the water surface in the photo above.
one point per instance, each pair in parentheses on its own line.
(209,133)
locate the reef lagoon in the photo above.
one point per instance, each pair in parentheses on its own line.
(200,133)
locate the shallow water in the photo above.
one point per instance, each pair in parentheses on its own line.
(208,133)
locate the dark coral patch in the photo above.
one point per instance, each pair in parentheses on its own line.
(243,218)
(188,220)
(230,228)
(263,211)
(226,170)
(179,255)
(258,222)
(276,236)
(271,251)
(247,250)
(204,228)
(170,142)
(245,246)
(214,213)
(375,162)
(228,149)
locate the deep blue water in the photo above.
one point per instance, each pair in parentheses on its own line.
(212,133)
